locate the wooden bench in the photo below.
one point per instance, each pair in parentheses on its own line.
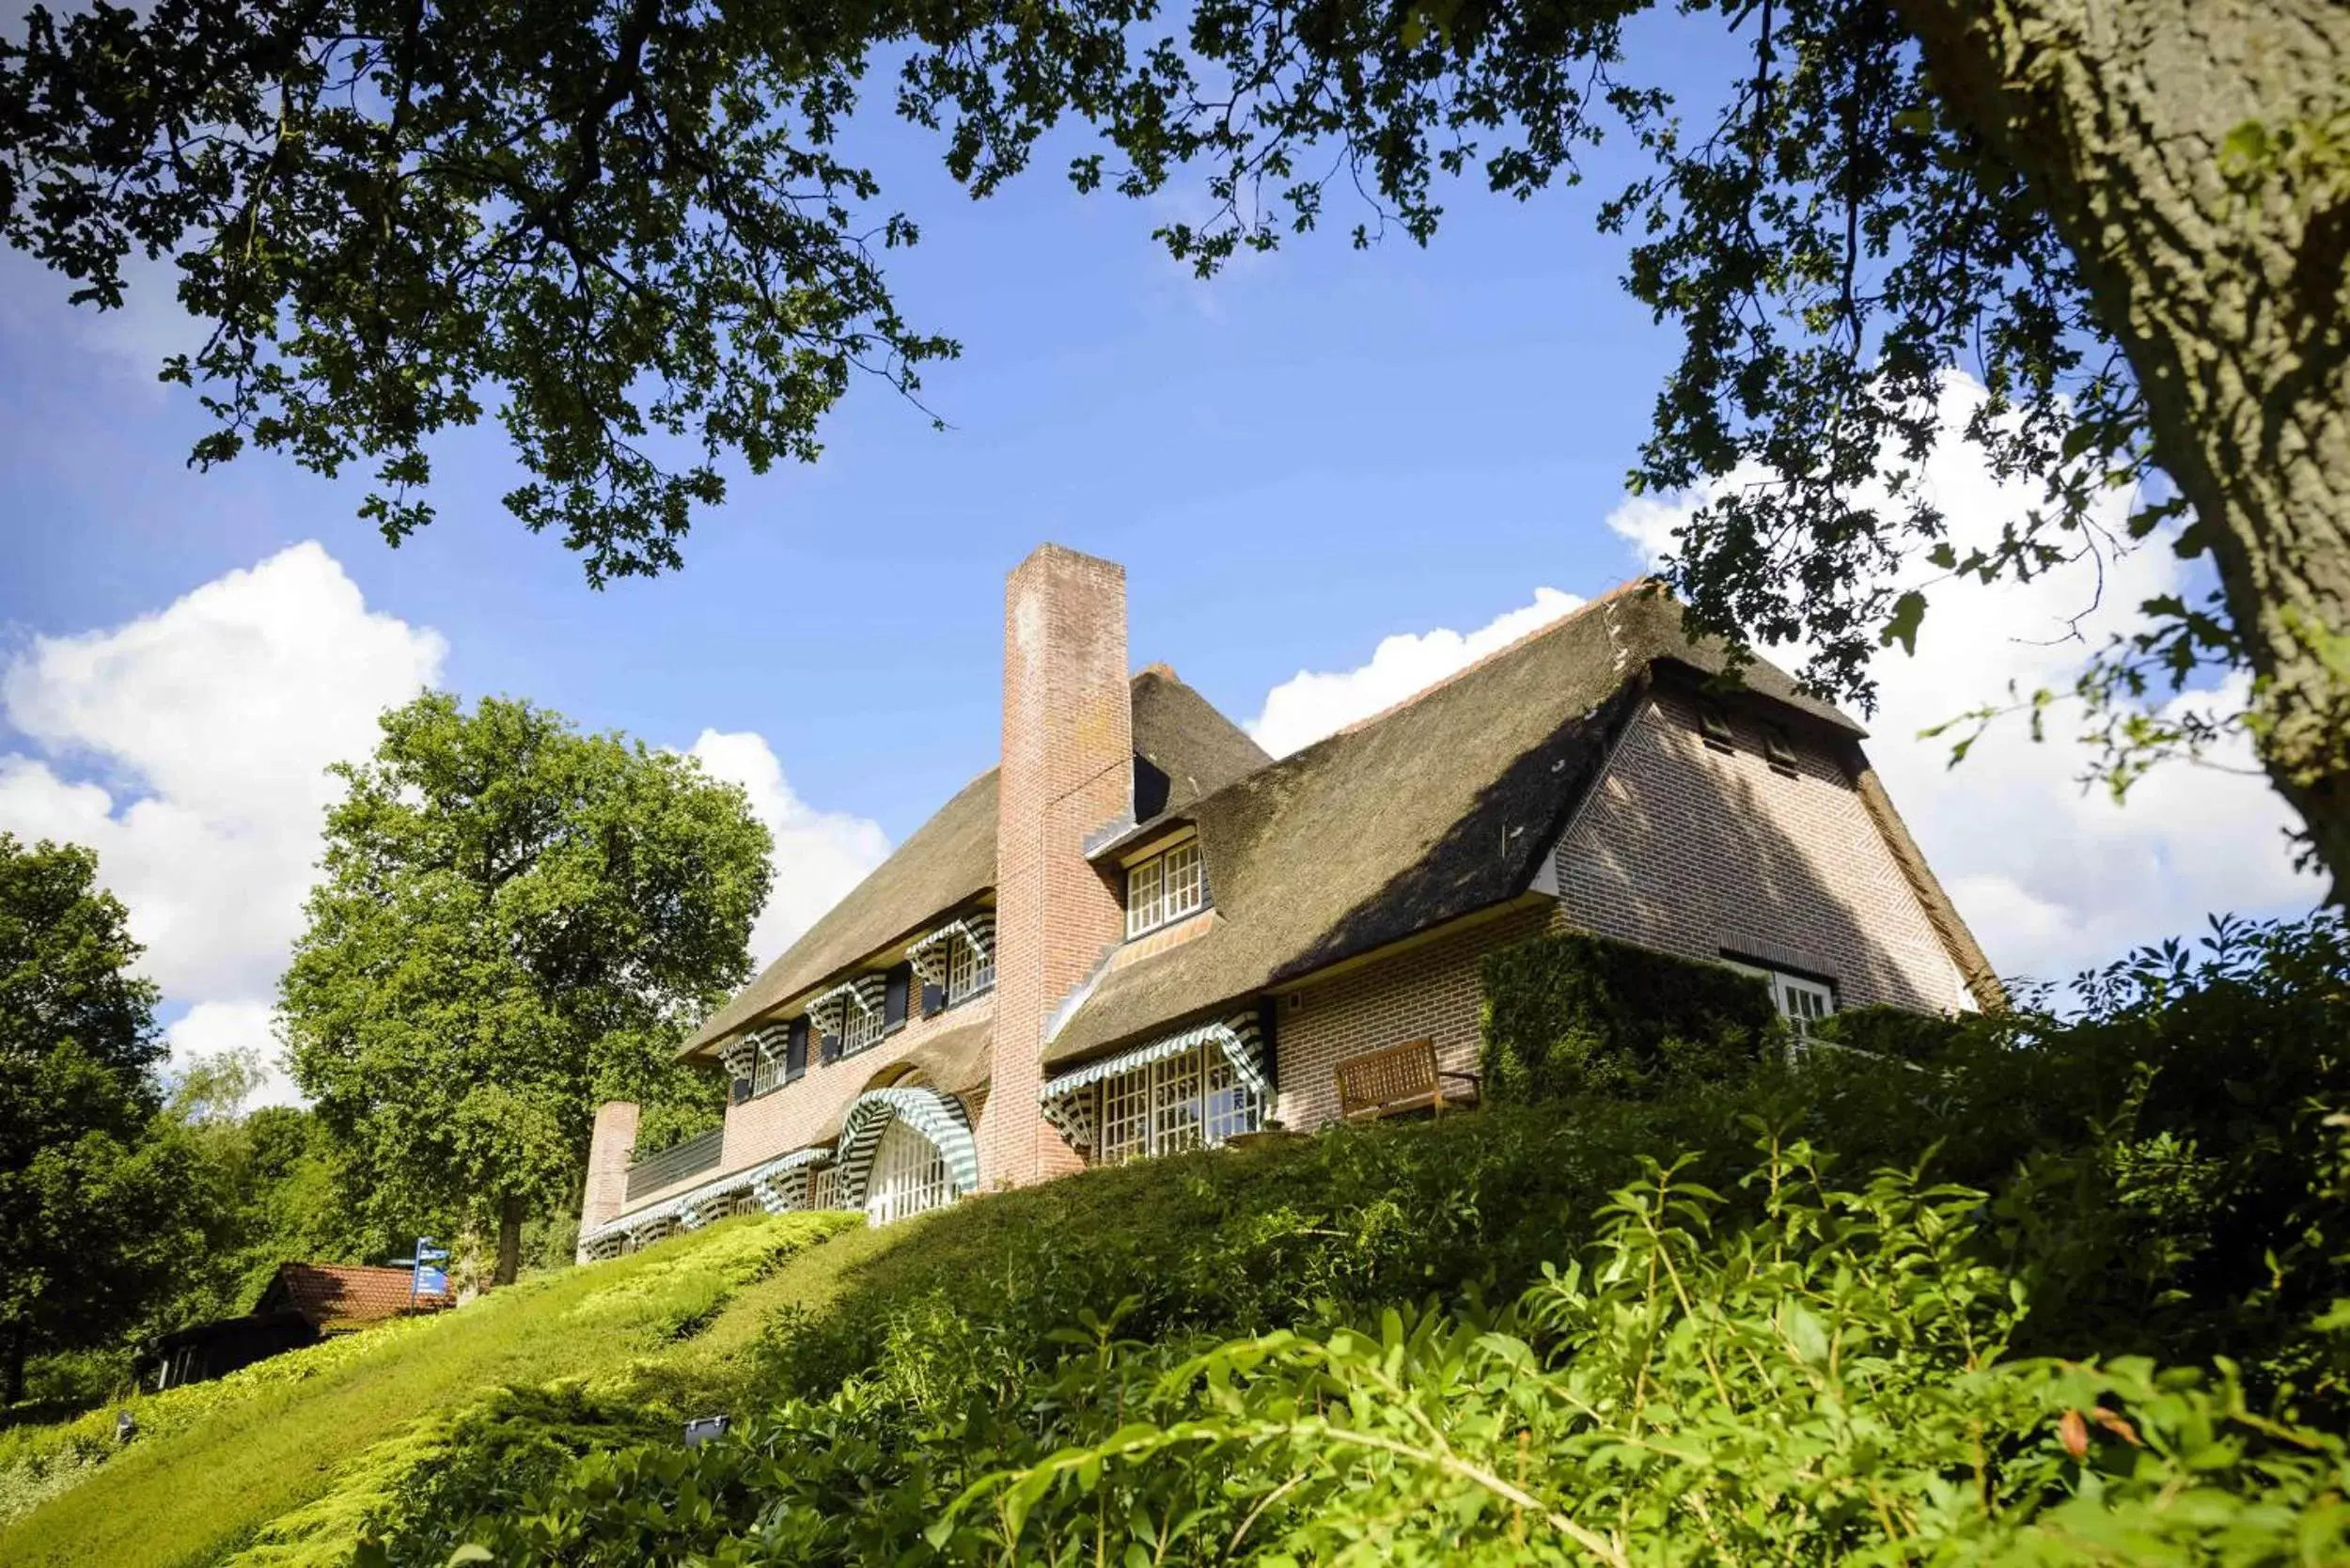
(1398,1080)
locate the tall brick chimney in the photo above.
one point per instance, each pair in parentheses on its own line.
(1068,769)
(609,1153)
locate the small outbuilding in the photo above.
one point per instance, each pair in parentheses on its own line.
(302,1304)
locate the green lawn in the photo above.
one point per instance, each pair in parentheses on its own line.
(278,1464)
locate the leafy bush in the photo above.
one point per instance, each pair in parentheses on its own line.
(1574,1015)
(1826,1383)
(1892,1032)
(1738,1370)
(2156,1138)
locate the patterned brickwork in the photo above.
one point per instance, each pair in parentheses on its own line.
(1068,770)
(1433,991)
(1696,852)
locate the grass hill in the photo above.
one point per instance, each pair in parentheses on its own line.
(284,1462)
(281,1462)
(1961,1300)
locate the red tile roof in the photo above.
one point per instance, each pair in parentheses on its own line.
(337,1296)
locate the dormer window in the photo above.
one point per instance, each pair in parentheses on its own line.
(853,1014)
(970,970)
(956,962)
(861,1024)
(767,1070)
(1714,725)
(1164,888)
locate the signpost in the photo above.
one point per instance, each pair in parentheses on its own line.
(427,1277)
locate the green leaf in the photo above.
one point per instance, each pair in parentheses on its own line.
(1908,610)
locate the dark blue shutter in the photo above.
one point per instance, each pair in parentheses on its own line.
(894,988)
(1268,1037)
(795,1050)
(934,999)
(829,1049)
(742,1090)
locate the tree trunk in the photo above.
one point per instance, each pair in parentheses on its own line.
(18,1338)
(2234,308)
(509,1241)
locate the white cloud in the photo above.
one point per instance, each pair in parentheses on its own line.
(818,854)
(1312,703)
(190,747)
(2050,878)
(211,724)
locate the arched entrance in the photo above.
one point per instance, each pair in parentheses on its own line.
(909,1175)
(906,1150)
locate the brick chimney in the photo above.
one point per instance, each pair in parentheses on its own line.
(1068,769)
(609,1153)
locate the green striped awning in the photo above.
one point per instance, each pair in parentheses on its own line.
(1067,1106)
(691,1207)
(826,1014)
(929,956)
(937,1117)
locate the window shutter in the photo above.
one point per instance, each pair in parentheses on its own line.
(795,1050)
(934,999)
(894,988)
(830,1049)
(742,1090)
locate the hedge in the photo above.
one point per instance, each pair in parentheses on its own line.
(1576,1015)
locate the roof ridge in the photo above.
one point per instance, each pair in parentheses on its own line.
(1546,629)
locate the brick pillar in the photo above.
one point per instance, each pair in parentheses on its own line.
(609,1153)
(1068,770)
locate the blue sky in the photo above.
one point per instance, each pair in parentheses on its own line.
(1317,451)
(1290,461)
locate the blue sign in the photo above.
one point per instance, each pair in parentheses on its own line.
(429,1281)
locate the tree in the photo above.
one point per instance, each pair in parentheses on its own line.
(2131,224)
(94,1213)
(516,922)
(273,1188)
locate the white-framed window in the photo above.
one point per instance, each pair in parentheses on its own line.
(767,1067)
(909,1175)
(1181,1102)
(1164,888)
(970,968)
(1802,1002)
(824,1188)
(860,1025)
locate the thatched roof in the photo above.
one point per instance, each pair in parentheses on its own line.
(1181,734)
(954,1059)
(949,861)
(1430,811)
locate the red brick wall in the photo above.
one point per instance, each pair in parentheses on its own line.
(1433,991)
(608,1152)
(1687,848)
(1068,770)
(790,1116)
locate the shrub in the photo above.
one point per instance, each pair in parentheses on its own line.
(1892,1032)
(1824,1383)
(1574,1015)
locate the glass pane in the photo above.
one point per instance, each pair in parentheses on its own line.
(1142,897)
(1176,1107)
(1182,881)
